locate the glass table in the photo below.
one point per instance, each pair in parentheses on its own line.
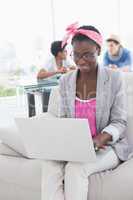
(42,87)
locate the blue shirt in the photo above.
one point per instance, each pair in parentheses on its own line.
(123,59)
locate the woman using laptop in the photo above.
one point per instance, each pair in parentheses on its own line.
(97,94)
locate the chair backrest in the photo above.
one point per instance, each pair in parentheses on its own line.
(53,105)
(54,99)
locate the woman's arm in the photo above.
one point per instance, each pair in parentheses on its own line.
(118,114)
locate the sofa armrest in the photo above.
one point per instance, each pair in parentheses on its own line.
(8,137)
(6,150)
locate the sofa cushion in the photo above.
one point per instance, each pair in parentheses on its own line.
(110,185)
(20,178)
(10,136)
(113,184)
(6,150)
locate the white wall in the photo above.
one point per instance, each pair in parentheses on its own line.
(26,24)
(126,18)
(102,14)
(31,25)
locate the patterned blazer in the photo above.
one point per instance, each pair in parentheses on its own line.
(111,106)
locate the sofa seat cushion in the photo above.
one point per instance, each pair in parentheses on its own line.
(25,175)
(113,184)
(21,171)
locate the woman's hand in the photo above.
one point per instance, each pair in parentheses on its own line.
(101,140)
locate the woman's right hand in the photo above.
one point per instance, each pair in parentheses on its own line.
(99,141)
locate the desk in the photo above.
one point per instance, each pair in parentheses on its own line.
(41,87)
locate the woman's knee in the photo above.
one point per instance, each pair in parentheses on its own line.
(52,166)
(75,169)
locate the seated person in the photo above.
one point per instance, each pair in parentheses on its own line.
(117,57)
(97,94)
(58,63)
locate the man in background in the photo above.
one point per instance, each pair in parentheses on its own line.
(58,63)
(117,57)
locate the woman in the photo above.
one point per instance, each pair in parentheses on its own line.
(95,93)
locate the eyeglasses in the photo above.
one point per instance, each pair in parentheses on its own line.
(85,56)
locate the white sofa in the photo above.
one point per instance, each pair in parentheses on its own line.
(20,178)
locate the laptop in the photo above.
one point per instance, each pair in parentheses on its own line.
(61,139)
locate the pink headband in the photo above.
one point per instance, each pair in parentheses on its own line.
(73,30)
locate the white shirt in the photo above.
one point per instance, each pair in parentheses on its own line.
(50,65)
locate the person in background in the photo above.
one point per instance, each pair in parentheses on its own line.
(117,57)
(58,63)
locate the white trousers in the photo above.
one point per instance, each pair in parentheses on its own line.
(75,176)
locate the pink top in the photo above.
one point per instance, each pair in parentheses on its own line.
(86,109)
